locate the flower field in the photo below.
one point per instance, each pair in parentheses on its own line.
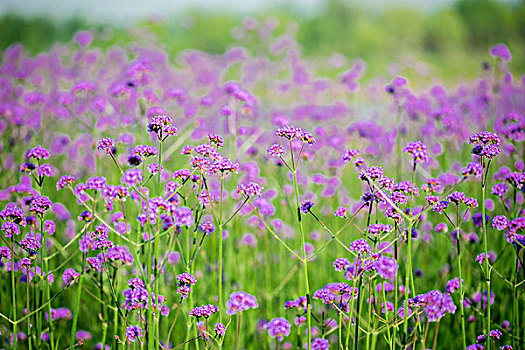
(257,200)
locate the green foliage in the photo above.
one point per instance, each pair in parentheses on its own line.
(462,32)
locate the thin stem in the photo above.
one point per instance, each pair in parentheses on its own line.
(461,292)
(220,250)
(485,240)
(408,272)
(237,330)
(174,321)
(305,262)
(13,293)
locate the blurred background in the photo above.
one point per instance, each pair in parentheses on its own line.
(451,36)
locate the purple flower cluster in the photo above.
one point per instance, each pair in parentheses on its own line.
(306,206)
(320,344)
(360,246)
(105,144)
(203,311)
(69,276)
(278,328)
(276,150)
(239,302)
(161,126)
(133,332)
(184,282)
(291,132)
(418,151)
(136,296)
(251,189)
(386,267)
(486,144)
(39,205)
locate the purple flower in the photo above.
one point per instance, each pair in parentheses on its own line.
(144,151)
(453,285)
(306,206)
(65,181)
(132,177)
(69,276)
(27,167)
(133,332)
(220,329)
(289,132)
(161,126)
(5,253)
(223,165)
(474,169)
(325,295)
(239,302)
(105,145)
(418,150)
(39,205)
(299,304)
(350,154)
(378,229)
(14,214)
(276,150)
(30,244)
(82,335)
(216,139)
(457,197)
(372,173)
(203,311)
(208,227)
(341,264)
(481,339)
(440,207)
(94,263)
(480,258)
(278,328)
(306,136)
(38,153)
(320,344)
(341,212)
(432,186)
(500,222)
(471,202)
(437,305)
(485,144)
(386,267)
(10,228)
(495,334)
(96,183)
(153,168)
(360,246)
(501,51)
(499,189)
(251,189)
(45,170)
(186,278)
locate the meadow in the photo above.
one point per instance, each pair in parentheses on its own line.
(257,199)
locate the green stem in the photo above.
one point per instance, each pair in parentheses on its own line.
(305,261)
(13,292)
(156,260)
(237,331)
(77,305)
(461,292)
(408,272)
(485,241)
(220,251)
(47,293)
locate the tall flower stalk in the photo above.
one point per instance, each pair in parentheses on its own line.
(486,148)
